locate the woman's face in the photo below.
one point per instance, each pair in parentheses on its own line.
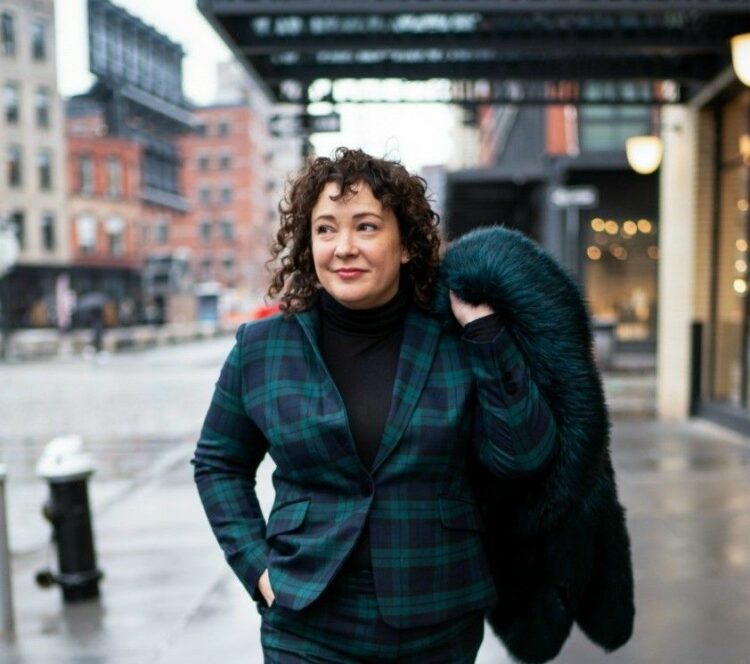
(356,247)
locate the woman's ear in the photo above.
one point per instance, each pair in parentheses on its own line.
(405,258)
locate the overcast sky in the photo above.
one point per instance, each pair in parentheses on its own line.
(417,134)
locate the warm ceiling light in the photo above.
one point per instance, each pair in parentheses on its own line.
(644,153)
(611,227)
(741,57)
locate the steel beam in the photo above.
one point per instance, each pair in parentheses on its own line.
(580,45)
(693,69)
(329,7)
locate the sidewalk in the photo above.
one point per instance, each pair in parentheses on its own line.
(168,597)
(162,570)
(35,344)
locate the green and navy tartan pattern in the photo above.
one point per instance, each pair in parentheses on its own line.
(451,398)
(345,626)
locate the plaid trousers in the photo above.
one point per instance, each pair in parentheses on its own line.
(344,627)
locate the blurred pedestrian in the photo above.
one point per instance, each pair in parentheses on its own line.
(375,410)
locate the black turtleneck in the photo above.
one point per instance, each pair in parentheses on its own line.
(360,348)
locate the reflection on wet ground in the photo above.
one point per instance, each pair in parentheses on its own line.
(686,489)
(676,447)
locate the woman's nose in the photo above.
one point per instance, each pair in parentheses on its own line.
(345,245)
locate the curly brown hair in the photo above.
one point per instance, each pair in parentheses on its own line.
(402,193)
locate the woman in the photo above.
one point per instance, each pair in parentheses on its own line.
(375,412)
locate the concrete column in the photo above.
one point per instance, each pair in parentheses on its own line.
(677,210)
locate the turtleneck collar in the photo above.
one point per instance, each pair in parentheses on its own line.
(373,322)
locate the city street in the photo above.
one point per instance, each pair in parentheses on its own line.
(130,409)
(168,596)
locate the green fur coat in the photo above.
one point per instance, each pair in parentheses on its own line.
(557,543)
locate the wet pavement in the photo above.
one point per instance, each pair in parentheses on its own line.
(168,596)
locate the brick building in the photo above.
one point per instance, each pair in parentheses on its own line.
(106,213)
(226,229)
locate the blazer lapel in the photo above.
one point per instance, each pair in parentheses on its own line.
(418,347)
(309,320)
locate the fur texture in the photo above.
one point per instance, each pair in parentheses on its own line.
(557,542)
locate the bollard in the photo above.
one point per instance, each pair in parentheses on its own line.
(6,590)
(67,467)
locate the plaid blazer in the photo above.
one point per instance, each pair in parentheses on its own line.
(455,402)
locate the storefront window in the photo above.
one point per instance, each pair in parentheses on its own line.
(621,270)
(730,344)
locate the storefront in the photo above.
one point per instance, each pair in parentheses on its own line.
(721,278)
(619,241)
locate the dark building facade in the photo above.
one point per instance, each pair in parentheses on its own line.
(609,245)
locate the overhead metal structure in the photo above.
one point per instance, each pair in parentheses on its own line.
(538,51)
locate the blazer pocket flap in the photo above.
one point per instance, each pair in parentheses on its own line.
(287,517)
(460,514)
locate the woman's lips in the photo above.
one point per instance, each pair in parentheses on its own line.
(349,274)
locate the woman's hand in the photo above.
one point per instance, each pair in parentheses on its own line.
(264,585)
(465,312)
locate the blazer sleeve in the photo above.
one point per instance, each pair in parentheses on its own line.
(515,432)
(228,453)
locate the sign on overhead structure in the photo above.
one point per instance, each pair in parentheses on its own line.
(585,196)
(300,124)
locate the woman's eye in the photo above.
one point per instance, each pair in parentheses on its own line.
(322,229)
(368,227)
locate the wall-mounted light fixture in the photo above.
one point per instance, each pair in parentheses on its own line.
(644,153)
(741,57)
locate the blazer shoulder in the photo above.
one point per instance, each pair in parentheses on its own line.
(265,329)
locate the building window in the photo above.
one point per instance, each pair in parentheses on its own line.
(730,382)
(162,232)
(226,194)
(48,231)
(14,166)
(44,168)
(86,233)
(161,173)
(204,194)
(11,103)
(228,264)
(8,33)
(42,106)
(204,229)
(224,129)
(114,177)
(207,267)
(39,40)
(227,229)
(605,127)
(225,162)
(18,224)
(203,162)
(115,228)
(86,175)
(200,129)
